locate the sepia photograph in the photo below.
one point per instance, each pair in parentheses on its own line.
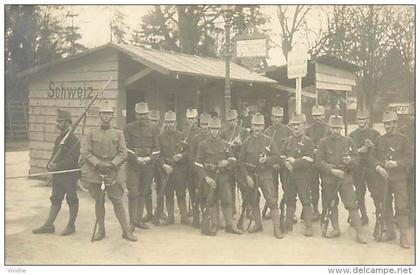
(241,134)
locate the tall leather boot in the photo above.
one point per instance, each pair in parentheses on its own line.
(221,223)
(122,219)
(275,217)
(357,224)
(132,212)
(48,226)
(403,226)
(71,228)
(256,215)
(363,212)
(182,204)
(100,217)
(228,214)
(171,211)
(139,217)
(149,208)
(389,234)
(335,225)
(315,213)
(290,214)
(307,218)
(196,216)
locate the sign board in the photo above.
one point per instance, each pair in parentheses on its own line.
(399,108)
(296,63)
(251,48)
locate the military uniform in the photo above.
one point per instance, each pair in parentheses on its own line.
(63,184)
(316,132)
(332,152)
(104,152)
(364,174)
(142,139)
(300,151)
(260,175)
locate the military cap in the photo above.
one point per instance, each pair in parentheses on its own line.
(411,109)
(142,108)
(336,121)
(191,113)
(231,114)
(258,119)
(277,111)
(215,123)
(170,116)
(389,116)
(63,115)
(106,107)
(362,114)
(297,118)
(317,110)
(153,115)
(252,108)
(204,118)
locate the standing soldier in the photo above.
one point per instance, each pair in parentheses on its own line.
(214,161)
(104,151)
(234,134)
(364,174)
(173,161)
(392,159)
(141,139)
(256,159)
(192,178)
(298,152)
(316,131)
(409,130)
(63,184)
(336,158)
(278,133)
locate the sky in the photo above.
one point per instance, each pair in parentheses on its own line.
(93,21)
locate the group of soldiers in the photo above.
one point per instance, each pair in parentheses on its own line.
(210,163)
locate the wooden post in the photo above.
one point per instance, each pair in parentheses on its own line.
(298,95)
(345,113)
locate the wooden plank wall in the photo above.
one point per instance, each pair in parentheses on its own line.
(68,86)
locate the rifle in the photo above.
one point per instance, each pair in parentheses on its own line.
(75,124)
(45,174)
(103,186)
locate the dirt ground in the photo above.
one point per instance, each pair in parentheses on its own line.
(27,206)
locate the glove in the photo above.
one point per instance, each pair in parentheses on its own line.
(363,149)
(51,167)
(223,163)
(210,182)
(168,169)
(177,157)
(347,159)
(390,164)
(308,159)
(250,182)
(381,171)
(369,143)
(288,165)
(290,160)
(262,159)
(147,159)
(141,161)
(337,173)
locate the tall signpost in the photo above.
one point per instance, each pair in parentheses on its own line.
(297,68)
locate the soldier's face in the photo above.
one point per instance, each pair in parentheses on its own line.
(204,126)
(257,129)
(336,131)
(298,128)
(170,126)
(60,124)
(214,132)
(276,120)
(105,117)
(231,122)
(141,117)
(317,118)
(389,126)
(192,121)
(153,122)
(362,122)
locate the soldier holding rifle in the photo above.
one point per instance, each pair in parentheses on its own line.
(105,151)
(392,159)
(63,184)
(256,159)
(336,158)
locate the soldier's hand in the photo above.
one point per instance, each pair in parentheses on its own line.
(381,171)
(140,161)
(262,159)
(210,182)
(223,163)
(232,160)
(288,165)
(177,157)
(337,173)
(103,168)
(291,160)
(109,165)
(147,159)
(308,159)
(390,164)
(363,149)
(250,182)
(51,166)
(276,167)
(347,159)
(237,141)
(369,143)
(168,169)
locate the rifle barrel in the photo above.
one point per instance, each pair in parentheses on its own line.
(45,174)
